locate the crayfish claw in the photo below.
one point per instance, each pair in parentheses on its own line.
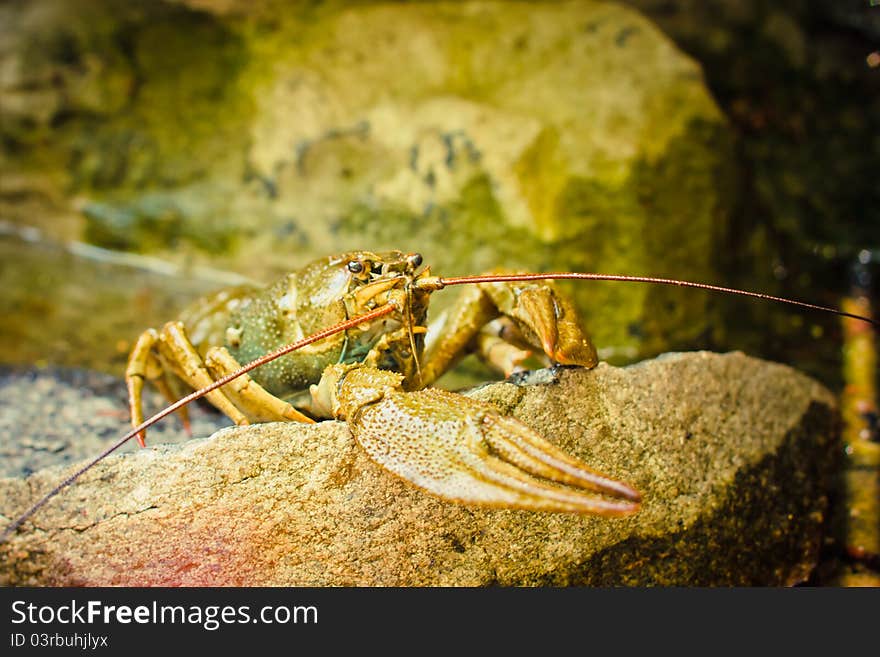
(521,446)
(464,451)
(503,484)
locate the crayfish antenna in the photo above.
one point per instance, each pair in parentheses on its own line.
(523,278)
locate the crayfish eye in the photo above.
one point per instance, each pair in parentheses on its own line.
(355,266)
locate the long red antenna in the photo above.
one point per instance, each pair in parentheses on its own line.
(514,278)
(314,337)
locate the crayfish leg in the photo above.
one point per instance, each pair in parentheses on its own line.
(145,363)
(498,352)
(532,317)
(249,396)
(171,387)
(175,348)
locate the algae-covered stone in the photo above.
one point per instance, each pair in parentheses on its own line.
(732,455)
(543,136)
(566,136)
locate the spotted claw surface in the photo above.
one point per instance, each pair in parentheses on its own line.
(464,451)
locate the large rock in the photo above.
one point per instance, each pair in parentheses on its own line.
(733,456)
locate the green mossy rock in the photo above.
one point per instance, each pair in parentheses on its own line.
(539,136)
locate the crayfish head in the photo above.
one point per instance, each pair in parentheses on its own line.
(385,278)
(396,341)
(375,276)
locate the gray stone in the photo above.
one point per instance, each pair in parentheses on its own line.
(55,415)
(732,455)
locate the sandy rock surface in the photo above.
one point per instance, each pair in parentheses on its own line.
(732,455)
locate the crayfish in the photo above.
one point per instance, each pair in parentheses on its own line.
(347,337)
